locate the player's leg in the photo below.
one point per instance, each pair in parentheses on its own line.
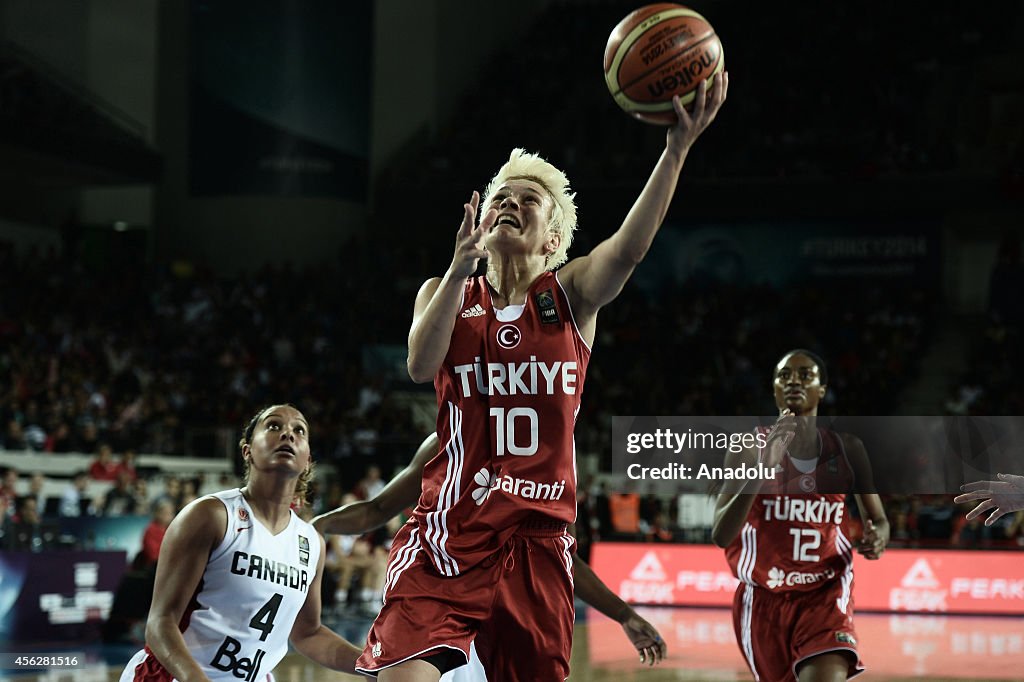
(824,643)
(410,671)
(762,623)
(831,667)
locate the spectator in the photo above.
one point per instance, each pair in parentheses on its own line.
(1015,529)
(25,531)
(60,439)
(8,490)
(659,530)
(14,438)
(103,468)
(35,490)
(188,492)
(73,501)
(625,512)
(127,465)
(120,500)
(372,484)
(153,536)
(172,492)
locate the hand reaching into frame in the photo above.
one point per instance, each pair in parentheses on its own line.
(1004,496)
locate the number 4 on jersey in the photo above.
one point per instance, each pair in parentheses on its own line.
(264,618)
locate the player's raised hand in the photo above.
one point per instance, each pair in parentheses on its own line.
(874,540)
(779,438)
(645,638)
(469,242)
(1003,497)
(690,124)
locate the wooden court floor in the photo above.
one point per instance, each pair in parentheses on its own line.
(701,647)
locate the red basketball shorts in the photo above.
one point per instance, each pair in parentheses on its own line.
(778,631)
(516,604)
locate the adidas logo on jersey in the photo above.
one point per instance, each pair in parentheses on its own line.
(376,650)
(475,311)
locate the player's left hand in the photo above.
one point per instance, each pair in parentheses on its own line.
(874,540)
(690,124)
(645,638)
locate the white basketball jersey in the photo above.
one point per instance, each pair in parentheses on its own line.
(237,625)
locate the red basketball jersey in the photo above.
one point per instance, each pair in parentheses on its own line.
(508,394)
(793,538)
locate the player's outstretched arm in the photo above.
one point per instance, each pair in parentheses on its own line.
(438,300)
(315,641)
(1003,497)
(643,635)
(194,533)
(594,280)
(400,493)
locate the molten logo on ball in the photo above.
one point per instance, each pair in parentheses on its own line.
(657,52)
(685,76)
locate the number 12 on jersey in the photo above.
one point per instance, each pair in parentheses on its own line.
(505,441)
(804,540)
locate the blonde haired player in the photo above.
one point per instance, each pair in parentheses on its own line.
(486,556)
(562,221)
(239,572)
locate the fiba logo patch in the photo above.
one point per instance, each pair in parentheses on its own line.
(509,336)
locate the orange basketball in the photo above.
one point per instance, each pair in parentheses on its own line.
(656,52)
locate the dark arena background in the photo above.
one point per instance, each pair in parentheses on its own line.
(210,205)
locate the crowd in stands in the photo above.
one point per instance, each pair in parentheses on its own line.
(116,356)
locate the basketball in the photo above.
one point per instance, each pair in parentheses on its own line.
(656,52)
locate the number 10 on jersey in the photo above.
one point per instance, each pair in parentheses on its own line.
(505,441)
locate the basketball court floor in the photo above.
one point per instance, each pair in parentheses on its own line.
(701,647)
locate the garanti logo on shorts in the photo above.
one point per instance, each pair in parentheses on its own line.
(487,481)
